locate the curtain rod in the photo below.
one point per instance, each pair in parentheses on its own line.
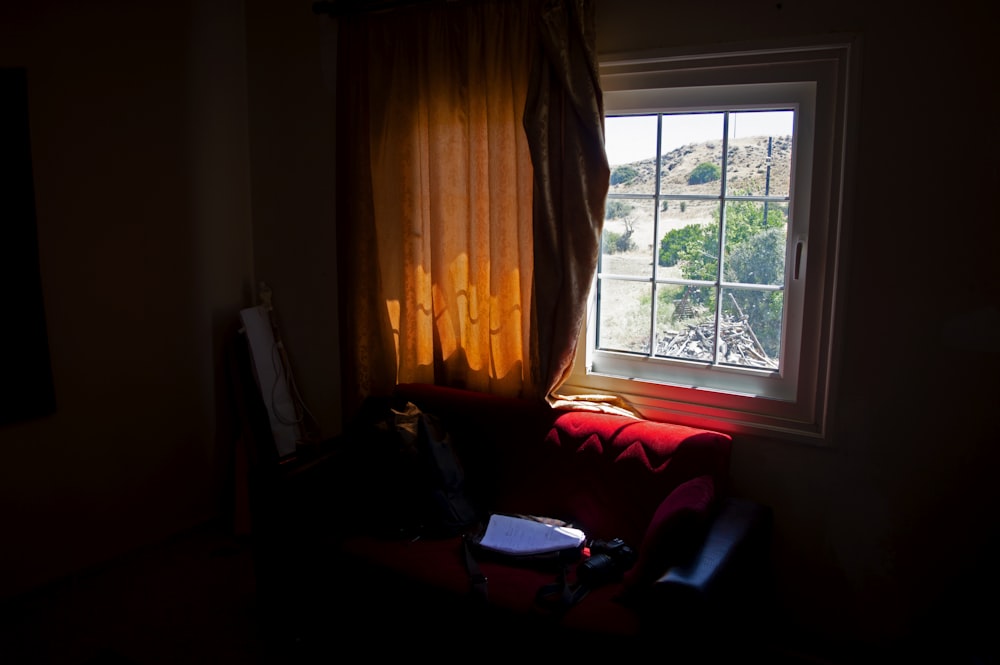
(344,7)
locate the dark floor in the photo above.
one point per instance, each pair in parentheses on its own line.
(190,600)
(193,600)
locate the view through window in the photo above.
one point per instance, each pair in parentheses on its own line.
(715,297)
(693,253)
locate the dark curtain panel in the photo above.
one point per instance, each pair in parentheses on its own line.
(564,119)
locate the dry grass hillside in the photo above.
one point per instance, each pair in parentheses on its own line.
(747,172)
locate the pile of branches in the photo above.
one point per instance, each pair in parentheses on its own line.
(737,344)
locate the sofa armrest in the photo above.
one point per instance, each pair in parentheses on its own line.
(731,562)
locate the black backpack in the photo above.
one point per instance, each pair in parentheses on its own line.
(410,483)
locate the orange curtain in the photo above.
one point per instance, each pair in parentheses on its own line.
(438,199)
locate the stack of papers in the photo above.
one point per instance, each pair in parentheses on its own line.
(516,535)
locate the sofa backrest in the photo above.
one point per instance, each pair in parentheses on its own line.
(606,473)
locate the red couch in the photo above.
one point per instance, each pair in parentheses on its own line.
(661,488)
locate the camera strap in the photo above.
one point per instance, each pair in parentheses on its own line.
(559,596)
(556,597)
(478,589)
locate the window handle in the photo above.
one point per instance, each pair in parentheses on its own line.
(799,246)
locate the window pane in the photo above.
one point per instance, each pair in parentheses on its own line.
(685,324)
(624,311)
(691,154)
(687,228)
(631,147)
(751,327)
(755,250)
(627,241)
(759,160)
(698,250)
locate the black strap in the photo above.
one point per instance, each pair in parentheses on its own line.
(478,590)
(559,596)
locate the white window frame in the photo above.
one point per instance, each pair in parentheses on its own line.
(794,402)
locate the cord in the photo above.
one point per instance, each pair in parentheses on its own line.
(282,367)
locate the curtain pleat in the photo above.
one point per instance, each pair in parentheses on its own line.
(564,120)
(368,356)
(444,198)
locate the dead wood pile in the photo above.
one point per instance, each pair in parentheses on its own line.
(737,344)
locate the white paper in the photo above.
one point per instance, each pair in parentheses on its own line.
(515,535)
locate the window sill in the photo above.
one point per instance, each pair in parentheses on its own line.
(731,413)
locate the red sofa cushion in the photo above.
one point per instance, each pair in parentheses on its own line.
(605,473)
(676,526)
(616,470)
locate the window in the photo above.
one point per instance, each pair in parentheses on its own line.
(715,295)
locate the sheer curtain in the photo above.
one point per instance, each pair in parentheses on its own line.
(471,186)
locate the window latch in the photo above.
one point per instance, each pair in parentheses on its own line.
(797,265)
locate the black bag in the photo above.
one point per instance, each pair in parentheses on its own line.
(412,483)
(446,510)
(555,598)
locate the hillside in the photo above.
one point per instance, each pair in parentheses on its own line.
(747,160)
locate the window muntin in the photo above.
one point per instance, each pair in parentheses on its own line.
(738,203)
(785,392)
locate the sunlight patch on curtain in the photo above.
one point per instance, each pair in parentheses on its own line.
(451,178)
(471,134)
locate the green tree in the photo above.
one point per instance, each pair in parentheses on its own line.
(755,251)
(746,218)
(760,259)
(676,242)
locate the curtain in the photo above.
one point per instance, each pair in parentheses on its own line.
(471,187)
(564,120)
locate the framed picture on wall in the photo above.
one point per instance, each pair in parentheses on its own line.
(26,388)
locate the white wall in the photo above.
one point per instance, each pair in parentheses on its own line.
(139,134)
(291,58)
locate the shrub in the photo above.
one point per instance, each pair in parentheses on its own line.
(677,242)
(704,172)
(623,175)
(618,242)
(617,209)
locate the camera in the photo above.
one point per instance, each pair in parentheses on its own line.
(608,561)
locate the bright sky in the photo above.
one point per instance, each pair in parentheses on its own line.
(631,139)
